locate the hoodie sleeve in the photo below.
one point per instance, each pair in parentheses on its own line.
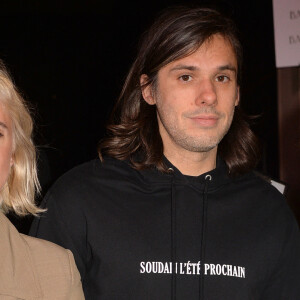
(64,223)
(284,282)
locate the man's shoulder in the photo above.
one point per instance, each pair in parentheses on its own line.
(257,183)
(84,171)
(90,179)
(88,173)
(266,198)
(96,169)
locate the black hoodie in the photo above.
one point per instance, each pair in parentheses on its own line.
(147,235)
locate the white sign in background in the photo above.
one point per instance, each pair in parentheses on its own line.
(286,15)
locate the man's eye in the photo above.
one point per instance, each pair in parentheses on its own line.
(222,78)
(186,77)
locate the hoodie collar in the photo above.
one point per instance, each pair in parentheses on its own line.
(219,175)
(17,276)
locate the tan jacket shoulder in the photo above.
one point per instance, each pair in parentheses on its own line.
(31,268)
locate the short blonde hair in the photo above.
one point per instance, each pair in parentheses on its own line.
(19,191)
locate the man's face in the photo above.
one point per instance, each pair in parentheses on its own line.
(6,145)
(196,96)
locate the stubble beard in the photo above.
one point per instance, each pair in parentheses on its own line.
(203,142)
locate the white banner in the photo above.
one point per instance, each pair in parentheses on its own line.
(287,32)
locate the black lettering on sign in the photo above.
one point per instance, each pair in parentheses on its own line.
(294,14)
(294,39)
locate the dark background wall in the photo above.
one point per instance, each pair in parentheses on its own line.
(69,59)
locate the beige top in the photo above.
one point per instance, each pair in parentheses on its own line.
(31,268)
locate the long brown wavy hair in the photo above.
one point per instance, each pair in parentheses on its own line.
(132,132)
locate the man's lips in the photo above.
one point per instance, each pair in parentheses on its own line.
(205,120)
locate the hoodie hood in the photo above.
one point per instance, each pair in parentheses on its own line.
(219,175)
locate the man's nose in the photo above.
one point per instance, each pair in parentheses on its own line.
(206,93)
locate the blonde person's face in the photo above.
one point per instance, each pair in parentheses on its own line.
(6,145)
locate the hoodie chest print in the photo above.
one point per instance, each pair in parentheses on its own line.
(191,268)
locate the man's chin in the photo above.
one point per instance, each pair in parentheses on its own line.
(201,146)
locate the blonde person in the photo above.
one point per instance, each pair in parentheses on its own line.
(30,268)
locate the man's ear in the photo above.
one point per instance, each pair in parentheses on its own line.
(237,100)
(147,90)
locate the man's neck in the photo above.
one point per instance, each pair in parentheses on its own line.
(193,163)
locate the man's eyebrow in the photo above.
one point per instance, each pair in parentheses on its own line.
(184,67)
(194,68)
(3,125)
(227,67)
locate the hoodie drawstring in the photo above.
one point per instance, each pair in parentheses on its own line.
(173,239)
(203,236)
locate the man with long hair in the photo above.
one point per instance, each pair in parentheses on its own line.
(172,209)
